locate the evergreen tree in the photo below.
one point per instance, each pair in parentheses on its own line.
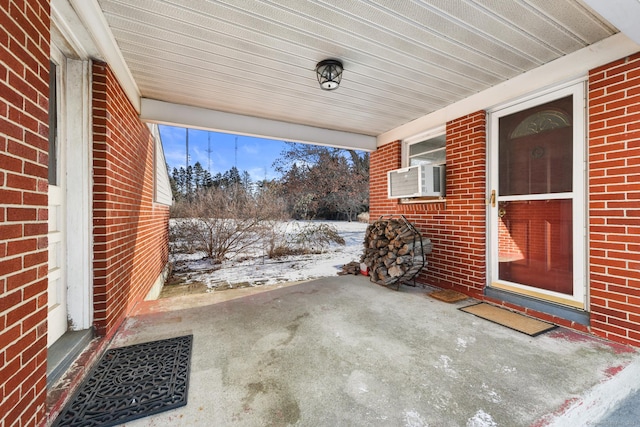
(198,177)
(247,183)
(179,177)
(175,192)
(231,178)
(188,182)
(216,181)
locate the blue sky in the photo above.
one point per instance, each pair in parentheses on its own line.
(255,155)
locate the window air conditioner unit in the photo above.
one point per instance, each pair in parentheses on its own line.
(416,181)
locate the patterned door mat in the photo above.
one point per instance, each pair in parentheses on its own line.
(130,383)
(504,317)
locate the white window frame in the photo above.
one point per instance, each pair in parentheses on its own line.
(405,150)
(423,136)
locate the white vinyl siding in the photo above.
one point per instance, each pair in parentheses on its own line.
(162,185)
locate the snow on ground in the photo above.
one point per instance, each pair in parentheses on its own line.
(260,270)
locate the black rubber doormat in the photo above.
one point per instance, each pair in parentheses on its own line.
(501,316)
(130,383)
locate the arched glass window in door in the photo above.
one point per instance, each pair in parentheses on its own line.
(540,122)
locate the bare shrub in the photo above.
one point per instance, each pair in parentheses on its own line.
(315,238)
(181,239)
(284,250)
(278,242)
(224,223)
(180,208)
(274,235)
(363,217)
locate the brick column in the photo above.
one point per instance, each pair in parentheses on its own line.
(130,230)
(614,200)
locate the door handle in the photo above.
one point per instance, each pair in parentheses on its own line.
(492,199)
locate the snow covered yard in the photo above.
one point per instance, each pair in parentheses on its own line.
(255,268)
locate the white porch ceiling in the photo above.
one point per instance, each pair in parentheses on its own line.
(403,59)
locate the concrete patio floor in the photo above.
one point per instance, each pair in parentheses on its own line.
(342,351)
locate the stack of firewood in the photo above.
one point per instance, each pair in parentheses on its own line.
(394,251)
(351,268)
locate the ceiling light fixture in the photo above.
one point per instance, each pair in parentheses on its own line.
(329,73)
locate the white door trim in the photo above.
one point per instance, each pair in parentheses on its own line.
(75,116)
(79,196)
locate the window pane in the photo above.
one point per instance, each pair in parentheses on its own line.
(428,145)
(536,150)
(53,124)
(433,158)
(535,244)
(429,152)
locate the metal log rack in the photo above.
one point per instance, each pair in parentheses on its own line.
(415,268)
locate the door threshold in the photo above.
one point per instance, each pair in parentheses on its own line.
(573,314)
(64,351)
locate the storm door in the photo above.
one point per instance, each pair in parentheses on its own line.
(537,198)
(57,236)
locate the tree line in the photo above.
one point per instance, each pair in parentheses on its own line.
(315,182)
(187,182)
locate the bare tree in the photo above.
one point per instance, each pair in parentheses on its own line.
(323,181)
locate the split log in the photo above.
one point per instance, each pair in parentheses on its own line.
(388,262)
(396,271)
(405,249)
(350,268)
(403,259)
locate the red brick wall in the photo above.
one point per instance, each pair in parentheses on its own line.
(456,227)
(614,200)
(24,92)
(130,231)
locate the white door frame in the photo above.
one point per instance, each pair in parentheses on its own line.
(74,115)
(578,196)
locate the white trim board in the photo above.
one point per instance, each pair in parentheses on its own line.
(95,23)
(566,68)
(79,195)
(154,111)
(73,33)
